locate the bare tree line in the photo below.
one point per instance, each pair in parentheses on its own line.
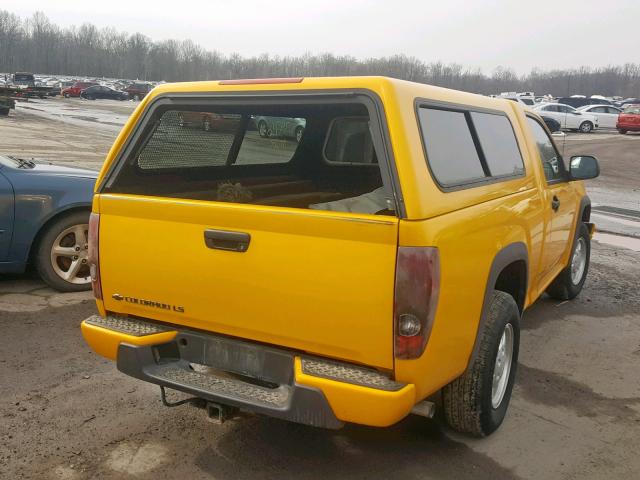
(35,44)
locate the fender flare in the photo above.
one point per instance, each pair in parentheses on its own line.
(585,203)
(513,252)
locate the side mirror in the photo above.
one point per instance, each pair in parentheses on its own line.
(584,167)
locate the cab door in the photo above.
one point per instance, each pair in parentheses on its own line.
(559,200)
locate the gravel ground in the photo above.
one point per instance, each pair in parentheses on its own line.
(66,413)
(575,413)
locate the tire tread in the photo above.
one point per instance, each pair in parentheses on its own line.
(462,398)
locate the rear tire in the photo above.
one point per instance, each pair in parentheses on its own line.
(623,132)
(570,281)
(476,403)
(44,253)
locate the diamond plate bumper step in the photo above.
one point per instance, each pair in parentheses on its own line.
(129,326)
(344,372)
(181,375)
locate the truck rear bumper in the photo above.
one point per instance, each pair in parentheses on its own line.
(259,378)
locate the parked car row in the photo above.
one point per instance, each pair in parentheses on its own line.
(568,117)
(93,91)
(590,117)
(578,101)
(575,101)
(266,126)
(49,86)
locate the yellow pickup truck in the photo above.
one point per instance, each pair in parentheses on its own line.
(374,264)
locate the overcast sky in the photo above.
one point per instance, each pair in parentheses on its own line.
(482,33)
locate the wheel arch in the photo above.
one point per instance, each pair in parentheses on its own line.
(585,209)
(509,272)
(583,215)
(49,220)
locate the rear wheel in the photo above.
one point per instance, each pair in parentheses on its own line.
(299,132)
(61,257)
(263,130)
(476,403)
(66,95)
(206,124)
(622,131)
(570,281)
(586,127)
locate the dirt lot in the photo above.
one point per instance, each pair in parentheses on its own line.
(67,414)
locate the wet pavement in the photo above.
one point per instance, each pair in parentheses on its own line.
(108,115)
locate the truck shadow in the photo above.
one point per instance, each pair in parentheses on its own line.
(415,448)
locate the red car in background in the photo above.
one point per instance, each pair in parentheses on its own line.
(629,119)
(76,89)
(137,91)
(209,121)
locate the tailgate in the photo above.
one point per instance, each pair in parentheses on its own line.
(315,281)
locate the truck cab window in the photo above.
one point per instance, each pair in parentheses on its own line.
(551,160)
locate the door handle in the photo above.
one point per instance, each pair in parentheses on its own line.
(555,203)
(226,240)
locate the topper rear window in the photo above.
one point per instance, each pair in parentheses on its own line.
(270,153)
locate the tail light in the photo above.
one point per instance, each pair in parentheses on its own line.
(94,256)
(416,297)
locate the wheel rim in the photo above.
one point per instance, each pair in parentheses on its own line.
(69,255)
(206,125)
(578,261)
(262,129)
(502,367)
(298,135)
(586,127)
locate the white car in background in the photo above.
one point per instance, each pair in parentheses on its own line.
(569,117)
(607,115)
